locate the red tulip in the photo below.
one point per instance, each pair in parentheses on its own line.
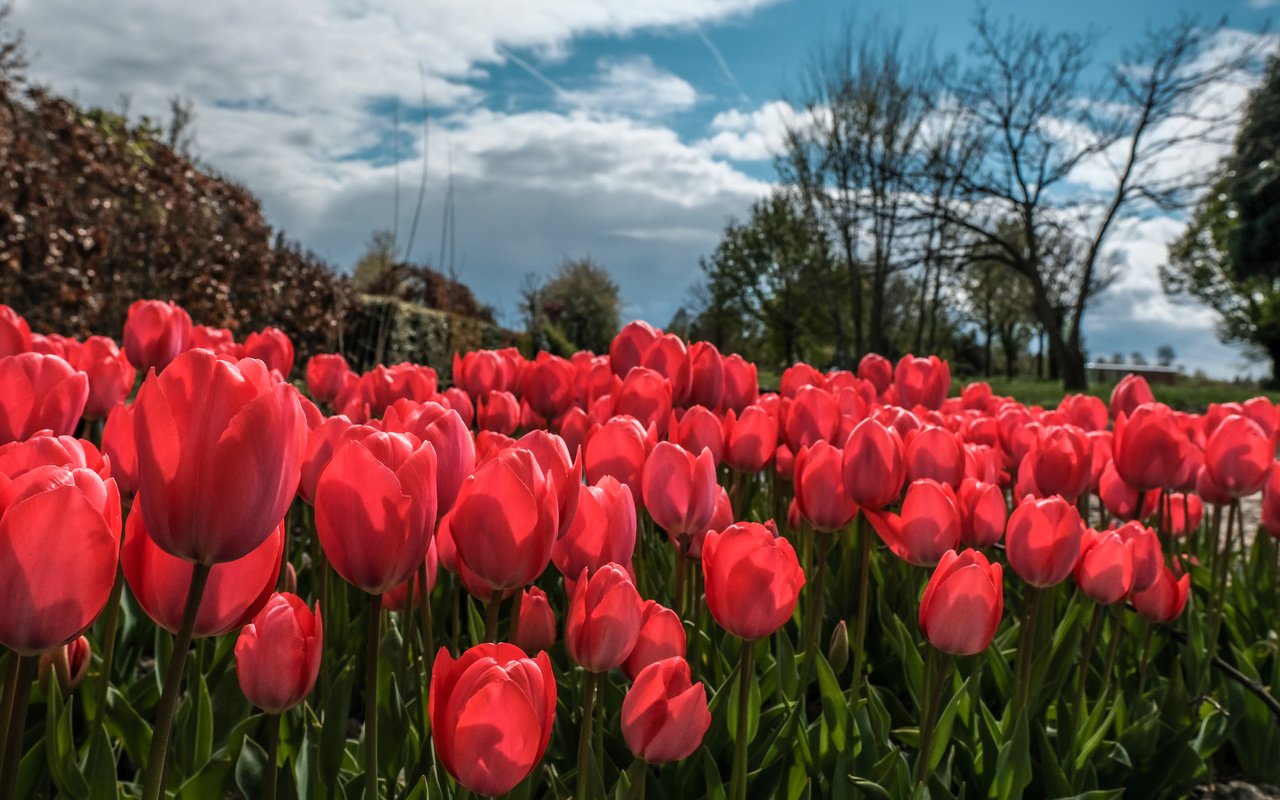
(70,663)
(235,592)
(603,530)
(15,333)
(491,715)
(679,490)
(878,370)
(922,381)
(874,465)
(645,395)
(549,385)
(505,522)
(753,579)
(706,375)
(1150,449)
(813,415)
(498,411)
(562,469)
(460,402)
(820,494)
(155,333)
(799,375)
(54,344)
(1166,598)
(699,428)
(321,442)
(750,439)
(39,392)
(1271,503)
(59,539)
(720,519)
(110,374)
(220,449)
(982,513)
(604,618)
(1238,456)
(483,371)
(928,526)
(219,340)
(1182,512)
(1059,462)
(278,654)
(934,452)
(627,348)
(46,450)
(963,603)
(741,384)
(668,356)
(1101,455)
(1105,569)
(376,509)
(1084,411)
(1121,500)
(664,715)
(661,636)
(273,347)
(1132,391)
(1042,541)
(536,629)
(1148,559)
(119,448)
(326,374)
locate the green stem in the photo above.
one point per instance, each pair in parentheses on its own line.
(738,787)
(21,678)
(1026,644)
(1147,643)
(517,601)
(153,786)
(273,751)
(109,646)
(818,600)
(1086,656)
(1113,650)
(584,736)
(10,691)
(864,594)
(936,672)
(371,698)
(682,566)
(491,617)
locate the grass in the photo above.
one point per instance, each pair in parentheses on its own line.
(1188,394)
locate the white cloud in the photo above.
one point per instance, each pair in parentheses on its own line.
(756,135)
(633,87)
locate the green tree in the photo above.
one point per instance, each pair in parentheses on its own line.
(581,300)
(379,256)
(1227,257)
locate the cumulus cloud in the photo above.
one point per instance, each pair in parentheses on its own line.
(756,135)
(633,87)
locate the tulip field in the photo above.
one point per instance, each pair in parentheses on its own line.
(624,575)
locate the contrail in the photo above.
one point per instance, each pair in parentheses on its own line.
(532,70)
(724,65)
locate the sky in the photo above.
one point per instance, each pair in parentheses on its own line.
(630,132)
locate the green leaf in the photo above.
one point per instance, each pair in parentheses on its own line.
(100,765)
(61,746)
(1013,767)
(835,707)
(942,728)
(128,727)
(204,724)
(333,734)
(251,769)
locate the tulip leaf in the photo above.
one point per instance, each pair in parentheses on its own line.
(204,724)
(100,765)
(788,674)
(60,746)
(333,734)
(208,782)
(942,728)
(835,707)
(711,774)
(1013,767)
(128,726)
(251,769)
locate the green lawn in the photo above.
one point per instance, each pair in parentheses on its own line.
(1188,394)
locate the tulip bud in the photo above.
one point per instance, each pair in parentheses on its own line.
(706,375)
(1132,391)
(111,376)
(838,648)
(1042,541)
(934,452)
(499,412)
(1149,448)
(922,381)
(679,489)
(273,347)
(326,374)
(536,628)
(619,448)
(963,603)
(668,356)
(604,619)
(750,439)
(812,416)
(603,530)
(982,513)
(646,395)
(1148,559)
(664,715)
(278,654)
(661,636)
(697,429)
(69,662)
(562,469)
(753,579)
(492,700)
(741,384)
(1238,456)
(878,370)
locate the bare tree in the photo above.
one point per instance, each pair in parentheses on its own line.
(1039,132)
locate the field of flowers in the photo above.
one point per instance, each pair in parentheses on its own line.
(623,575)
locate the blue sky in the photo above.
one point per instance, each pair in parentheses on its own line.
(627,131)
